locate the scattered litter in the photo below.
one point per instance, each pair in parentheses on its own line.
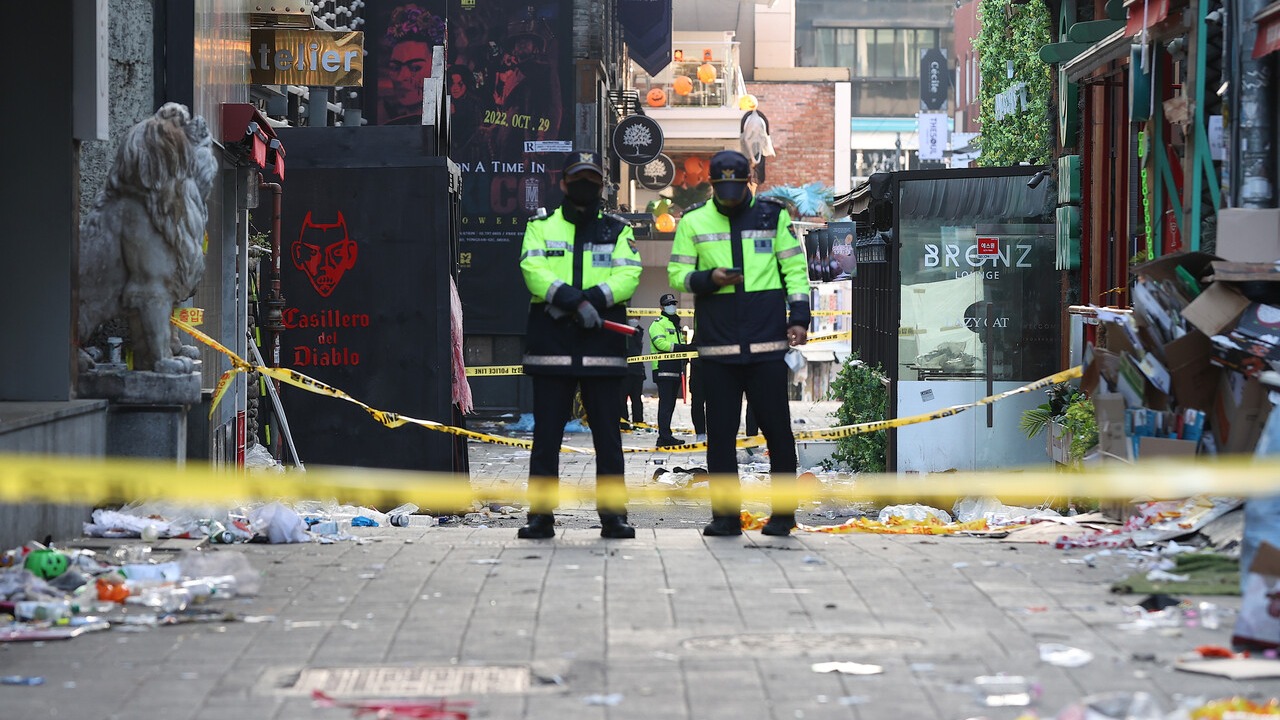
(1006,690)
(362,521)
(1064,655)
(854,700)
(1236,668)
(813,560)
(847,668)
(914,513)
(1159,575)
(486,561)
(21,680)
(609,700)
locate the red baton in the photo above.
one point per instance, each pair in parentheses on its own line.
(620,328)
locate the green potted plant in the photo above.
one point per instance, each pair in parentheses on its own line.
(1068,416)
(864,396)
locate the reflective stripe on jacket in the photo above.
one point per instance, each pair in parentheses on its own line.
(594,256)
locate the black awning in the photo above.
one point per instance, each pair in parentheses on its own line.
(646,28)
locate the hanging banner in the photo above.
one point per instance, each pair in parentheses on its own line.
(512,60)
(933,135)
(646,29)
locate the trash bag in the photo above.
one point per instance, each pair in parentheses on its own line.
(914,513)
(279,524)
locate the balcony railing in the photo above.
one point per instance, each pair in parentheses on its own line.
(705,78)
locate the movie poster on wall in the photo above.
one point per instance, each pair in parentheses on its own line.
(509,79)
(399,38)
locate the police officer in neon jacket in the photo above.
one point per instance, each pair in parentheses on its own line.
(737,255)
(581,267)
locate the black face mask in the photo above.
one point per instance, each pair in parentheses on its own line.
(582,193)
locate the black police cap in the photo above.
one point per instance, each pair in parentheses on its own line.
(730,166)
(667,299)
(580,160)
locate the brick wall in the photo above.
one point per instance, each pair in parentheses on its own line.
(802,126)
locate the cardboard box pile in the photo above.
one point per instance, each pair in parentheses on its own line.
(1179,372)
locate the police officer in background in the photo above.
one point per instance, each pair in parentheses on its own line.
(581,266)
(736,253)
(664,337)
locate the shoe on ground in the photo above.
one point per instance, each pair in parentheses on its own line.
(779,525)
(667,442)
(723,526)
(538,527)
(616,527)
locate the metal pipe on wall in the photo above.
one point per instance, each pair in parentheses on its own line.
(1253,106)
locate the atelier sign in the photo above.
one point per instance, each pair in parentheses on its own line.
(306,57)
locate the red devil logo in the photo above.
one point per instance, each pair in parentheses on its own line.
(323,258)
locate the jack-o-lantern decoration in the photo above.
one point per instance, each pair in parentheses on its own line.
(665,223)
(748,103)
(707,73)
(656,97)
(682,85)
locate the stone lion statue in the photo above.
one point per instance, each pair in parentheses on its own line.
(142,244)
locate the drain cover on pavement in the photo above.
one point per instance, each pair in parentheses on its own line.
(410,681)
(801,643)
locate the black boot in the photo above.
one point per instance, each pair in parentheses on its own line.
(615,526)
(539,526)
(723,526)
(779,525)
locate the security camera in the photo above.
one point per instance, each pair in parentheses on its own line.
(1036,179)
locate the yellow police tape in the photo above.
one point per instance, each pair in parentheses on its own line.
(80,480)
(394,420)
(495,370)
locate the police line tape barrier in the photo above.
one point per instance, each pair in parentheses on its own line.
(395,420)
(685,312)
(87,481)
(297,379)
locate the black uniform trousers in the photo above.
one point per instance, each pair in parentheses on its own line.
(697,398)
(668,388)
(633,390)
(552,408)
(765,386)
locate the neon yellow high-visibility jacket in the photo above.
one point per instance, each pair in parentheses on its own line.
(746,322)
(566,258)
(664,335)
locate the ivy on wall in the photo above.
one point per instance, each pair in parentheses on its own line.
(1014,32)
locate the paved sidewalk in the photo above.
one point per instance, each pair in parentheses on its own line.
(669,625)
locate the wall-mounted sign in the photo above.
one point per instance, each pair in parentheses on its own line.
(935,82)
(637,139)
(306,57)
(657,174)
(988,246)
(933,135)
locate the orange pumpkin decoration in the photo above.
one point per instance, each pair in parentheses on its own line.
(679,179)
(707,73)
(665,223)
(656,97)
(683,85)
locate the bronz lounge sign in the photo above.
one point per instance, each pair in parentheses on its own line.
(306,57)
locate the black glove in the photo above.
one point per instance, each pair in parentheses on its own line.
(587,316)
(682,347)
(567,298)
(596,296)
